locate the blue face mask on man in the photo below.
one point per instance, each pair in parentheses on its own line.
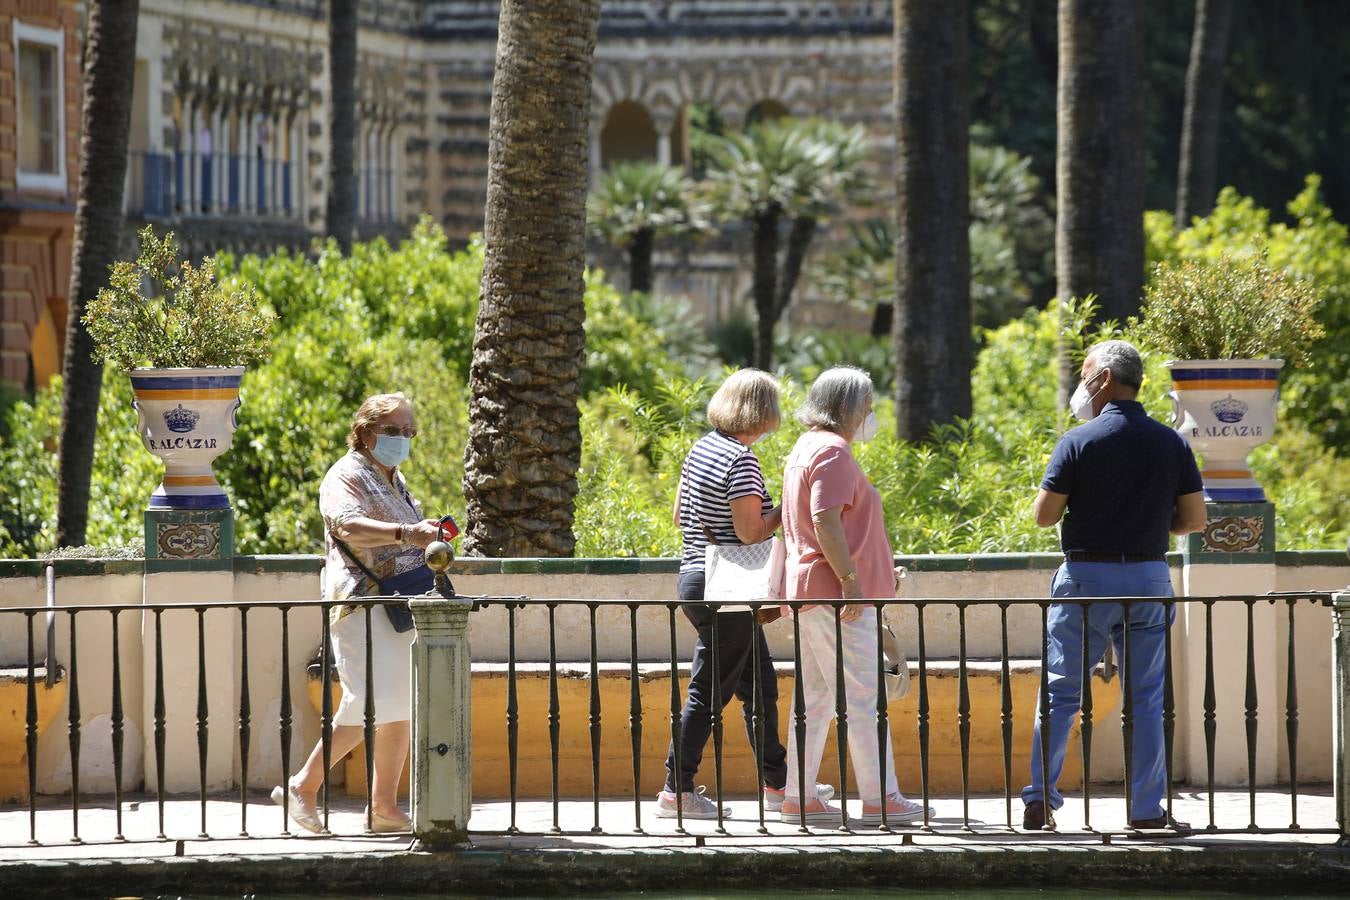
(391,449)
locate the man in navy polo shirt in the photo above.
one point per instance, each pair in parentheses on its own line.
(1121,483)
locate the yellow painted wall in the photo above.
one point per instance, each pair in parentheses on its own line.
(491,772)
(490,760)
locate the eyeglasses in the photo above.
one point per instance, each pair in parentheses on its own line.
(395,431)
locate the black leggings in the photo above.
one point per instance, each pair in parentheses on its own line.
(735,632)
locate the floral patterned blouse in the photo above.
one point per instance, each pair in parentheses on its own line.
(355,487)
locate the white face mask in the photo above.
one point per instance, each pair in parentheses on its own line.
(1081,401)
(868,429)
(391,449)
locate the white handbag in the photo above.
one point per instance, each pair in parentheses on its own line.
(897,667)
(737,574)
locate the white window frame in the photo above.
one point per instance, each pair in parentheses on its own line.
(55,38)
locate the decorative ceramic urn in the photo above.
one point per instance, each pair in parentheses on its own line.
(187,419)
(1225,408)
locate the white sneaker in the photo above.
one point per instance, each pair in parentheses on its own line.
(899,809)
(773,798)
(696,805)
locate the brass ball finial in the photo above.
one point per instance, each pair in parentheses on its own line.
(439,556)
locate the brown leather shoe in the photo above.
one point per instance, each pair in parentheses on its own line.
(1036,817)
(1161,823)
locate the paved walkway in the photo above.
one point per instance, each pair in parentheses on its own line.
(988,826)
(701,862)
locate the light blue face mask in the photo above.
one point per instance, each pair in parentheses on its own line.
(391,449)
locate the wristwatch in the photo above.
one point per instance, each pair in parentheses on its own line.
(850,578)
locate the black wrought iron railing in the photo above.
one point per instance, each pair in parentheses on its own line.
(69,621)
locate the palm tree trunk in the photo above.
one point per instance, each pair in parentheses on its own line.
(931,318)
(1099,225)
(524,442)
(1200,121)
(640,260)
(109,66)
(340,217)
(764,281)
(801,234)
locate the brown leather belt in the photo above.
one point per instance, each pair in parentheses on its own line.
(1085,556)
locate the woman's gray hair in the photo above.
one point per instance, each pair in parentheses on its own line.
(1122,359)
(837,401)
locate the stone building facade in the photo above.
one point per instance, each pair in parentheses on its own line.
(39,153)
(228,144)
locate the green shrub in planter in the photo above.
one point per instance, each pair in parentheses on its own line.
(1230,308)
(187,320)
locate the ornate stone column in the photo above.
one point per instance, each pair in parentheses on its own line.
(1340,712)
(441,740)
(1234,555)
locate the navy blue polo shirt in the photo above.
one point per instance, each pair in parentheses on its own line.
(1123,473)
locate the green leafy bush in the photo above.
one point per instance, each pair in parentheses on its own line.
(1229,309)
(1311,248)
(186,321)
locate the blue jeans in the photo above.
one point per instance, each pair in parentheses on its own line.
(1106,621)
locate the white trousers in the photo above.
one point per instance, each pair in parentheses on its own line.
(392,673)
(860,698)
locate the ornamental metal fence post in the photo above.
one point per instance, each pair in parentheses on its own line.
(441,739)
(1340,708)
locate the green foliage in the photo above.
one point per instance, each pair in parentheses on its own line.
(967,490)
(1011,238)
(805,167)
(188,320)
(631,197)
(1229,309)
(1313,250)
(381,319)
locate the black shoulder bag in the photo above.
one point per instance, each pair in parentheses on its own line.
(411,583)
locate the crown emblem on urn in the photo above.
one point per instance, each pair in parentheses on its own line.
(1228,409)
(181,420)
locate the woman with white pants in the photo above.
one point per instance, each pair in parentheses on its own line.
(837,548)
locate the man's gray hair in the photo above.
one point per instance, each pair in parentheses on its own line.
(837,400)
(1122,359)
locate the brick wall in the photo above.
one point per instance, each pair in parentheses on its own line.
(36,225)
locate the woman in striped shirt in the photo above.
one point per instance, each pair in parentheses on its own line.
(722,499)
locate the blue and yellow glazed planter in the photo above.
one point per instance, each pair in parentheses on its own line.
(1225,408)
(187,419)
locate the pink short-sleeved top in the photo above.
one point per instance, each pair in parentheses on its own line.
(821,473)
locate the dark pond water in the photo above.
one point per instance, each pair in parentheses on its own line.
(851,894)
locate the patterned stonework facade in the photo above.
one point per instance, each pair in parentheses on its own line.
(229,145)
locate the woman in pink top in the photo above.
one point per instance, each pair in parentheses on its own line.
(837,548)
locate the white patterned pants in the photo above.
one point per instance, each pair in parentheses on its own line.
(860,697)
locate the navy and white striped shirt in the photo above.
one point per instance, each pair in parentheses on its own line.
(717,470)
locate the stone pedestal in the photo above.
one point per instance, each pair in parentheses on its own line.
(1234,555)
(441,741)
(190,559)
(1340,711)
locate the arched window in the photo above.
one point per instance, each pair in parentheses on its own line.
(628,134)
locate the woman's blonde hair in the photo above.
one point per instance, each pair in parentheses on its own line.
(373,410)
(746,402)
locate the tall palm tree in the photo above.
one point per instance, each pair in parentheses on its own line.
(776,173)
(1099,166)
(524,442)
(109,66)
(1200,120)
(340,214)
(634,204)
(931,324)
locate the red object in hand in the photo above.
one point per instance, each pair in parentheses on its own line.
(449,528)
